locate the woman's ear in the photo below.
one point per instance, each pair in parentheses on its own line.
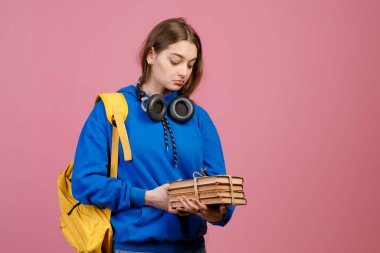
(151,56)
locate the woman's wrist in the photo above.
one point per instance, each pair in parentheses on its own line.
(148,198)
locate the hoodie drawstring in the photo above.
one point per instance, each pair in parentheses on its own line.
(166,125)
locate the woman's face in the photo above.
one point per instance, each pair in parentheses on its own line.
(172,67)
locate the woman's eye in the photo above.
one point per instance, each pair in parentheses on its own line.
(176,63)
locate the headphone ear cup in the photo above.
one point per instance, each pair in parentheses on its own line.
(156,107)
(181,109)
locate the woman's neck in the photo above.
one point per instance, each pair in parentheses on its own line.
(151,88)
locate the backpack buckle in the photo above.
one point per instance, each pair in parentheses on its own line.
(114,121)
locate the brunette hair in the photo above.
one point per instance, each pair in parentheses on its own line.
(164,34)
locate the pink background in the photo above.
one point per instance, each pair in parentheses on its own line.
(293,87)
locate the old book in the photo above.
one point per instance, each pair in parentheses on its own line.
(213,201)
(208,194)
(211,187)
(219,187)
(219,179)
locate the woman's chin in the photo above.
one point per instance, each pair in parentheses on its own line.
(174,87)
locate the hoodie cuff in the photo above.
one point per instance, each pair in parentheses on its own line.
(137,197)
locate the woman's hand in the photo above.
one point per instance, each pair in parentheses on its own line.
(159,198)
(206,212)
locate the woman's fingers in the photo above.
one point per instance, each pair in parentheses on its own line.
(183,203)
(188,205)
(200,205)
(195,206)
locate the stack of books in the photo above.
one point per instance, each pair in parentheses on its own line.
(209,190)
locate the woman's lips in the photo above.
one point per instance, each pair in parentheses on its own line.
(178,82)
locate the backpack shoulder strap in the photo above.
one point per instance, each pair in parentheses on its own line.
(117,111)
(111,99)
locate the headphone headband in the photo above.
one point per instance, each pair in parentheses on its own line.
(181,109)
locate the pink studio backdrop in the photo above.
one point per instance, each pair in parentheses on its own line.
(292,86)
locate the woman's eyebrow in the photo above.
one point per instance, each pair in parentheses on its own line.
(182,57)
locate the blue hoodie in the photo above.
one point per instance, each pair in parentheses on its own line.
(138,227)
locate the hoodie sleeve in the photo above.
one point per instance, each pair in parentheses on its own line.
(213,158)
(90,182)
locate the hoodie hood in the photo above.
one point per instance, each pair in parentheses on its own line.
(131,90)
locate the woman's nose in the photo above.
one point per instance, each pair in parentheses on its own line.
(182,70)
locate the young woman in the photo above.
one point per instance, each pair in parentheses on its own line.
(166,145)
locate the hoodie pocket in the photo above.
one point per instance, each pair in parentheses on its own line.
(148,226)
(124,221)
(148,215)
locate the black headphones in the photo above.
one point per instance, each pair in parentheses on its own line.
(181,109)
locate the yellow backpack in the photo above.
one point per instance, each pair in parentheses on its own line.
(87,227)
